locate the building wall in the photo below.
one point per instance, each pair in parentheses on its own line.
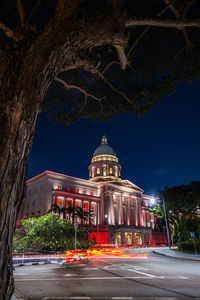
(122,216)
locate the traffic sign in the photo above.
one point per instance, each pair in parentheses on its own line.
(192,234)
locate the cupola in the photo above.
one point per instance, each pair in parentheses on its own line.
(104,165)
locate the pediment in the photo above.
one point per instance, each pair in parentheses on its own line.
(130,184)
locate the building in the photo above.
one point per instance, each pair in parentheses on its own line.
(120,209)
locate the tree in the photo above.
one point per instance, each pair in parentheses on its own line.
(73,211)
(80,47)
(182,204)
(47,233)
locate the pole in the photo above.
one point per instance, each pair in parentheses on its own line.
(166,222)
(195,249)
(75,238)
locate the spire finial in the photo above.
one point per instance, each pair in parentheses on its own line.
(104,140)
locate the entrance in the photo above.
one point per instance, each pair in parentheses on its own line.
(138,238)
(118,239)
(128,238)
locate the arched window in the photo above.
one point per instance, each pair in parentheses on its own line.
(119,173)
(110,170)
(98,170)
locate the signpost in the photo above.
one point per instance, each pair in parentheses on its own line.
(76,227)
(192,235)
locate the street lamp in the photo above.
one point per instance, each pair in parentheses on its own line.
(166,222)
(152,200)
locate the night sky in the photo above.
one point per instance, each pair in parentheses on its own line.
(161,148)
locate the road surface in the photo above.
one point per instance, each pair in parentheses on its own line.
(117,278)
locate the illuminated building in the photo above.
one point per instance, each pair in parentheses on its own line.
(119,208)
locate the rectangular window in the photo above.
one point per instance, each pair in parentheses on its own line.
(84,192)
(59,187)
(76,190)
(68,188)
(58,201)
(85,206)
(91,194)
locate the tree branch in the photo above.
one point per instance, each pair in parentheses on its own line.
(178,24)
(71,86)
(173,9)
(15,35)
(21,12)
(187,7)
(122,56)
(83,63)
(177,15)
(116,90)
(33,11)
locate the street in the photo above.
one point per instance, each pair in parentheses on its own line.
(146,276)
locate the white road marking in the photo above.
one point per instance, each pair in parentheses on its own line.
(158,259)
(122,298)
(139,268)
(99,278)
(131,270)
(139,272)
(90,269)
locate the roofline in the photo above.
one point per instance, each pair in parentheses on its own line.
(49,173)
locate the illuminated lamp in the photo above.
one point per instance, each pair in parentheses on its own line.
(153,200)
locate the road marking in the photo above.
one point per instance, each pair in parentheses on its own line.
(122,298)
(139,272)
(139,268)
(90,269)
(131,270)
(100,278)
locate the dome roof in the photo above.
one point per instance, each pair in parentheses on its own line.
(104,148)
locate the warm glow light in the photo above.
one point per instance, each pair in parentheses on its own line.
(153,200)
(92,254)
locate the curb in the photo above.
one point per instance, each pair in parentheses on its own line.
(38,263)
(179,257)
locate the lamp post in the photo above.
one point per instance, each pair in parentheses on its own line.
(166,222)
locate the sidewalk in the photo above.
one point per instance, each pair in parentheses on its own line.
(171,253)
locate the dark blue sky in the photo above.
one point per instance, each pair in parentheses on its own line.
(161,148)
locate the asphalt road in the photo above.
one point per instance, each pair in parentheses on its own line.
(117,278)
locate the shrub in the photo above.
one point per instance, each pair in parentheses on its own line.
(189,246)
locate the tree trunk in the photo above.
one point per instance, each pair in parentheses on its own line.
(18,133)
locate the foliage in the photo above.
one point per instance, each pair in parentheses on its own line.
(47,233)
(182,204)
(73,211)
(155,63)
(188,247)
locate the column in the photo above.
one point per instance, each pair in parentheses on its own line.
(136,212)
(128,211)
(120,210)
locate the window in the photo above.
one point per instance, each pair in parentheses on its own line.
(58,201)
(69,202)
(110,170)
(59,187)
(98,170)
(84,192)
(68,188)
(91,194)
(76,190)
(119,173)
(85,206)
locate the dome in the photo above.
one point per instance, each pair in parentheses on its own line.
(104,149)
